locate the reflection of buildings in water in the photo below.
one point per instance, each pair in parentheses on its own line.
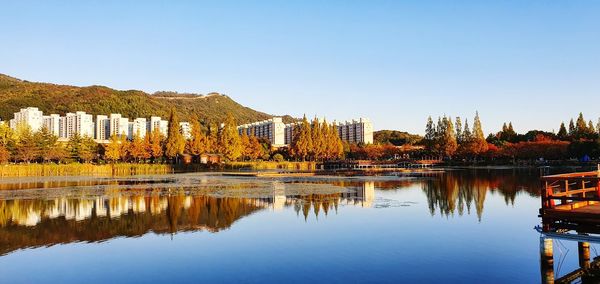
(279,198)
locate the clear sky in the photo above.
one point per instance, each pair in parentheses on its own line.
(535,63)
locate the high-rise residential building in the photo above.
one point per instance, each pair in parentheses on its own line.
(52,124)
(137,127)
(157,123)
(78,122)
(356,131)
(30,116)
(272,129)
(102,128)
(186,130)
(289,133)
(119,125)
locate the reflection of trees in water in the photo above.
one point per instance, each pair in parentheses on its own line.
(459,191)
(41,222)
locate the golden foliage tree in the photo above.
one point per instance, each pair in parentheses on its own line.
(229,140)
(175,144)
(113,149)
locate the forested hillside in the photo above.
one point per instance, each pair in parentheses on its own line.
(52,98)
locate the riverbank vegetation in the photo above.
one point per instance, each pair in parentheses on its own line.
(452,141)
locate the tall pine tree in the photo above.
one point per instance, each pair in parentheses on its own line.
(175,144)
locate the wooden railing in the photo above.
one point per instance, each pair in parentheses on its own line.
(570,191)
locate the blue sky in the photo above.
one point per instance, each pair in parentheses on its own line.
(535,63)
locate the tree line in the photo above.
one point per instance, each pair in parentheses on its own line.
(316,140)
(448,138)
(25,145)
(312,141)
(451,140)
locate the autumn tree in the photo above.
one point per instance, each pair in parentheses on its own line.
(175,143)
(88,149)
(245,142)
(256,148)
(156,145)
(26,146)
(4,154)
(197,145)
(319,144)
(448,144)
(138,149)
(113,149)
(45,141)
(302,142)
(478,144)
(229,140)
(212,141)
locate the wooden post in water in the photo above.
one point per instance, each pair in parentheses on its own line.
(546,260)
(584,254)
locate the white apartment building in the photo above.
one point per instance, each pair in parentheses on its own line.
(137,126)
(272,129)
(119,125)
(156,122)
(186,130)
(102,128)
(30,116)
(78,122)
(289,133)
(52,123)
(356,131)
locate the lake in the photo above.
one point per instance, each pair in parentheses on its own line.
(461,226)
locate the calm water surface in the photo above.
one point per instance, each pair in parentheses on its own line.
(457,227)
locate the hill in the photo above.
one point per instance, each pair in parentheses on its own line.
(397,138)
(51,98)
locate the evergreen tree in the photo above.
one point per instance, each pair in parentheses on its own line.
(598,126)
(581,126)
(572,129)
(229,140)
(562,132)
(467,135)
(175,144)
(459,130)
(478,143)
(591,129)
(430,135)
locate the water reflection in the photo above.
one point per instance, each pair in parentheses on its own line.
(31,222)
(28,223)
(458,192)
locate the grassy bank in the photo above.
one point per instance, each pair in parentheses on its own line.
(22,170)
(270,165)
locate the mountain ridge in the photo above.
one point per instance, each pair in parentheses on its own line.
(213,107)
